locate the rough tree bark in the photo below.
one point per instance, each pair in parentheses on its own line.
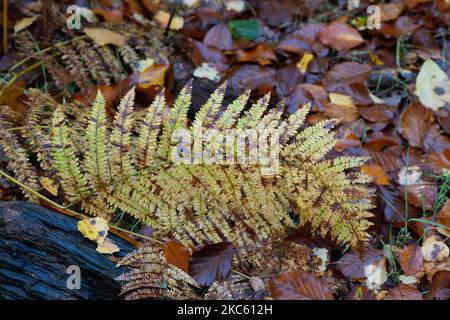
(36,248)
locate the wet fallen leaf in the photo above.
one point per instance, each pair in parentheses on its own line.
(401,27)
(410,259)
(177,254)
(404,292)
(432,86)
(211,263)
(440,286)
(377,172)
(443,218)
(421,196)
(298,285)
(348,73)
(414,123)
(341,106)
(220,37)
(103,36)
(390,11)
(262,54)
(340,36)
(352,266)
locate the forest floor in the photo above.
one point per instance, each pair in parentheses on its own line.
(383,71)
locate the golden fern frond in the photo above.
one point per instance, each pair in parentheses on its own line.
(121,152)
(152,277)
(203,201)
(176,118)
(97,145)
(151,125)
(66,161)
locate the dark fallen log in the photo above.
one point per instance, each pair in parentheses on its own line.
(37,246)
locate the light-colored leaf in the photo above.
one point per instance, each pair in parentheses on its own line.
(432,86)
(103,36)
(23,23)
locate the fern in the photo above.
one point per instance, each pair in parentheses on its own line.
(125,164)
(152,277)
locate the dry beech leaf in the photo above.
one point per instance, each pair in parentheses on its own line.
(352,267)
(262,54)
(103,36)
(414,123)
(431,267)
(49,185)
(410,259)
(341,106)
(404,292)
(349,141)
(440,286)
(177,254)
(211,263)
(433,249)
(303,64)
(220,37)
(421,196)
(399,28)
(444,219)
(432,86)
(340,36)
(298,285)
(348,73)
(377,172)
(390,11)
(24,23)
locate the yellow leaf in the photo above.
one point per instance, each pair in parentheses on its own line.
(302,65)
(341,100)
(432,86)
(23,24)
(375,59)
(49,185)
(107,247)
(153,75)
(163,17)
(103,36)
(95,229)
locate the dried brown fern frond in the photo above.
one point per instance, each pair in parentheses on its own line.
(77,59)
(152,277)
